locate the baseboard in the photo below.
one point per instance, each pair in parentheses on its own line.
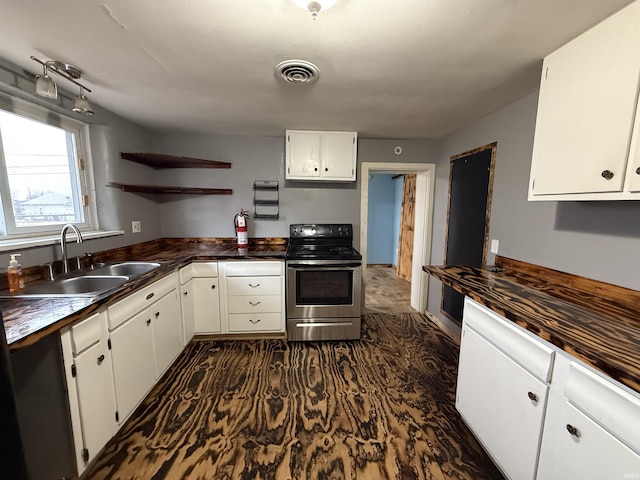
(449,328)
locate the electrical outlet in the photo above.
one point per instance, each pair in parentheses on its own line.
(494,245)
(136,227)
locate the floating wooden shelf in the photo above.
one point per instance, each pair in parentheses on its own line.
(167,189)
(160,160)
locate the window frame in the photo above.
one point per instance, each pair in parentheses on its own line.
(83,170)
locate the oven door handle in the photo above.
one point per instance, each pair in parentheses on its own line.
(334,266)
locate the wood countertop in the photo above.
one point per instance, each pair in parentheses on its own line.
(26,320)
(596,322)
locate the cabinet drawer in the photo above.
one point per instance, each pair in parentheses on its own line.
(254,303)
(528,351)
(139,300)
(87,333)
(250,322)
(254,286)
(253,269)
(608,404)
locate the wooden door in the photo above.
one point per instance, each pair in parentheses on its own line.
(407,219)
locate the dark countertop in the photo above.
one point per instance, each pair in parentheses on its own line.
(601,332)
(26,320)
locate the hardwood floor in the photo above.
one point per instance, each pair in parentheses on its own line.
(386,292)
(378,408)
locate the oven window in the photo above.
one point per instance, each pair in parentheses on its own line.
(324,287)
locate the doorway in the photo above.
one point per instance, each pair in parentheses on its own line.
(425,181)
(468,215)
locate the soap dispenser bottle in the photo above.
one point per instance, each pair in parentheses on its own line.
(14,274)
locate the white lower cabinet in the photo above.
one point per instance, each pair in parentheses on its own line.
(145,329)
(206,305)
(187,307)
(499,398)
(167,331)
(253,296)
(200,297)
(133,364)
(574,422)
(592,430)
(87,360)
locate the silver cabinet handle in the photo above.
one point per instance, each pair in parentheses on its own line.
(100,359)
(254,321)
(607,174)
(532,396)
(213,287)
(254,304)
(157,314)
(150,296)
(186,293)
(573,430)
(148,322)
(254,286)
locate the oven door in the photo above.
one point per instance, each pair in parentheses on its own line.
(323,289)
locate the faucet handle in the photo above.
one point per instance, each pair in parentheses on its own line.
(90,259)
(50,271)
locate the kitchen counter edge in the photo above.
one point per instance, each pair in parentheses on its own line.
(28,320)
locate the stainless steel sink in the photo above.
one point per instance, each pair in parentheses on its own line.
(86,283)
(84,286)
(129,269)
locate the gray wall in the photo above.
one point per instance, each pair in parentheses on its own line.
(599,240)
(262,158)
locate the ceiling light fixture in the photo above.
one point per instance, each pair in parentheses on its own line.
(46,87)
(315,6)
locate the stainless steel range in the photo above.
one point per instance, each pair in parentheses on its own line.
(324,282)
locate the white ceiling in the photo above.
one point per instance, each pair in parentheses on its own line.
(388,68)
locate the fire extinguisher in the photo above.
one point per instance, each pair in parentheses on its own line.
(240,223)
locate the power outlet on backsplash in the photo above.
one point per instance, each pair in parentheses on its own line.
(136,226)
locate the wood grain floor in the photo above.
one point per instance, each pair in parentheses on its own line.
(378,408)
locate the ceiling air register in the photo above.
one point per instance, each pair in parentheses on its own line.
(297,71)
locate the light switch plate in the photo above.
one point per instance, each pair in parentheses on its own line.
(136,227)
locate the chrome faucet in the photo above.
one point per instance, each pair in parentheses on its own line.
(63,244)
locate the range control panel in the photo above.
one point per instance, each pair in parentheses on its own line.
(321,230)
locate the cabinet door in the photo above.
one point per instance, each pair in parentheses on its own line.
(502,403)
(133,363)
(586,108)
(167,331)
(633,173)
(303,155)
(94,380)
(587,451)
(206,301)
(188,315)
(338,150)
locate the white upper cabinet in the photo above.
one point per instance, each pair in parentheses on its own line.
(321,156)
(586,138)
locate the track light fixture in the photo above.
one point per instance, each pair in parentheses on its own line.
(46,87)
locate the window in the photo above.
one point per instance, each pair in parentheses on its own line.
(43,178)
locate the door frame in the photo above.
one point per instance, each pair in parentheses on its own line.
(425,189)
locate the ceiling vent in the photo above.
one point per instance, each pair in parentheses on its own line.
(297,71)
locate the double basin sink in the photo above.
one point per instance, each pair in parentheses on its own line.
(87,283)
